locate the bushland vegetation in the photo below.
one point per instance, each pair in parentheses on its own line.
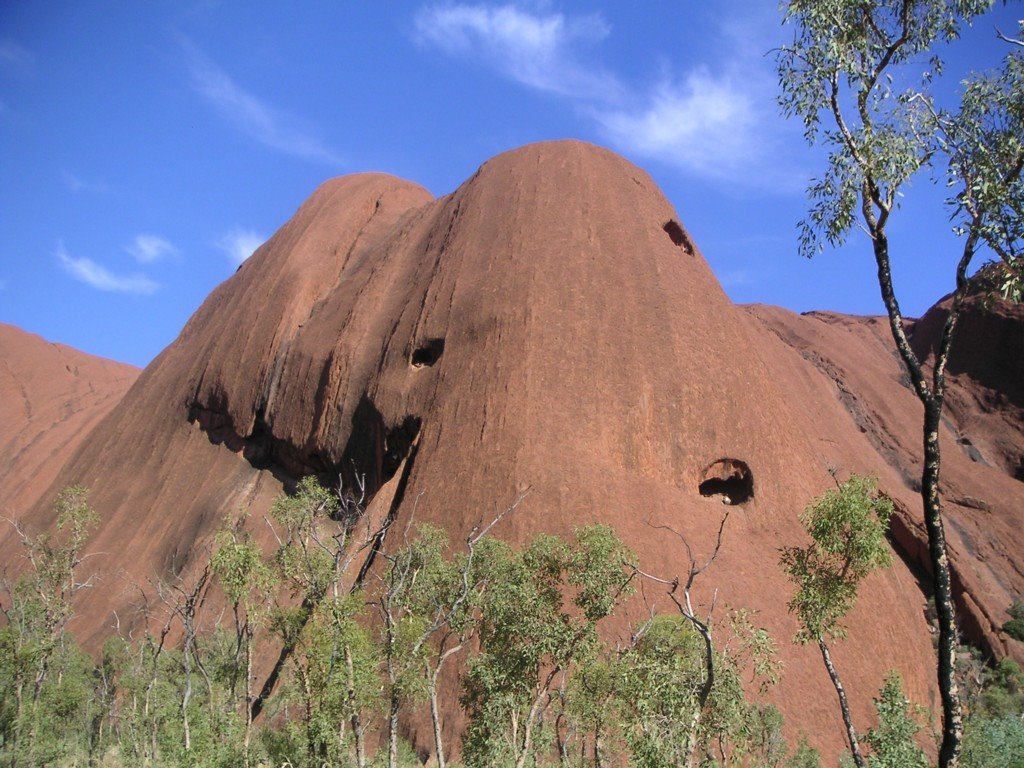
(514,639)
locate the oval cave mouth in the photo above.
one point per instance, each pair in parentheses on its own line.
(676,234)
(427,353)
(729,479)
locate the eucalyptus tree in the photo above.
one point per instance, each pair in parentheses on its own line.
(320,630)
(860,75)
(429,603)
(847,528)
(538,621)
(248,584)
(892,740)
(36,613)
(694,684)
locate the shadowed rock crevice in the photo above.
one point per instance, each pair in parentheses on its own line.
(261,448)
(909,542)
(371,457)
(375,451)
(729,479)
(970,451)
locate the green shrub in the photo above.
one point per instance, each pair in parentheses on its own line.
(1015,626)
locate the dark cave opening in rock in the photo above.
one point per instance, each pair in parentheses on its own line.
(677,235)
(428,353)
(729,479)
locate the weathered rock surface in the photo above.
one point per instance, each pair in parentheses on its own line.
(551,324)
(51,396)
(982,441)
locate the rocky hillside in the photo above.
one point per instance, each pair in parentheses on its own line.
(552,325)
(51,396)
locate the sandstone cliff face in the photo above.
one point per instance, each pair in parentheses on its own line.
(551,325)
(51,396)
(982,436)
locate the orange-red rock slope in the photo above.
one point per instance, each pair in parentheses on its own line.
(51,396)
(549,324)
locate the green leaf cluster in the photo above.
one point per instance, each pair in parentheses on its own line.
(1015,626)
(892,741)
(847,527)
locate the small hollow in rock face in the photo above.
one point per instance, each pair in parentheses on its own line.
(428,353)
(676,234)
(730,479)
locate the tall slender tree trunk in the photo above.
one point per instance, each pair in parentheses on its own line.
(952,718)
(393,731)
(435,718)
(844,706)
(19,722)
(357,726)
(186,696)
(531,718)
(247,740)
(932,400)
(308,709)
(435,713)
(706,686)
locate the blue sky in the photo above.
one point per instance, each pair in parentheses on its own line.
(147,148)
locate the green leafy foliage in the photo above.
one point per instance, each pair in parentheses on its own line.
(994,742)
(1015,626)
(994,731)
(45,681)
(805,756)
(892,741)
(542,685)
(859,75)
(865,68)
(530,639)
(303,561)
(847,527)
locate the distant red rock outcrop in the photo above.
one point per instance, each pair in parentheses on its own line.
(51,396)
(551,324)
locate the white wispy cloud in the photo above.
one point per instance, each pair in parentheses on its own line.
(704,123)
(712,119)
(732,278)
(13,53)
(538,50)
(147,249)
(75,184)
(260,121)
(239,244)
(98,276)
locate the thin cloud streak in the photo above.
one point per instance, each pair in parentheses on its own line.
(93,274)
(75,184)
(239,244)
(147,249)
(718,123)
(258,120)
(15,54)
(705,124)
(538,51)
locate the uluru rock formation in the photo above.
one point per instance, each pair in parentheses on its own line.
(51,396)
(552,325)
